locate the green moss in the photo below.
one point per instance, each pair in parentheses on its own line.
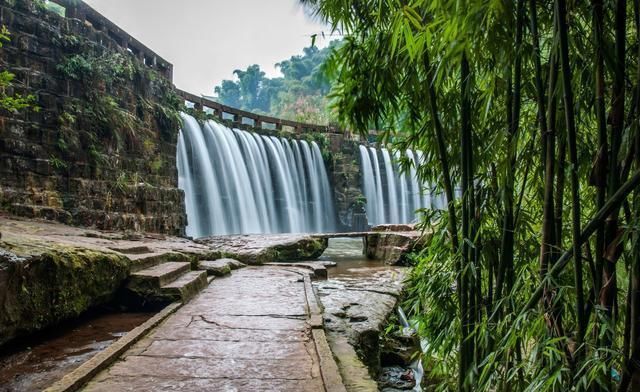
(60,284)
(202,116)
(156,164)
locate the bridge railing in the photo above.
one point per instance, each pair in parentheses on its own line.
(238,117)
(80,10)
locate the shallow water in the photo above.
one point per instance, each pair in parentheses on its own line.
(350,260)
(36,363)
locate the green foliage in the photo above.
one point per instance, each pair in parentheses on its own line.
(57,163)
(12,102)
(156,164)
(201,115)
(300,95)
(76,67)
(459,81)
(106,67)
(108,122)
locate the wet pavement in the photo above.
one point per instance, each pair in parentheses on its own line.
(247,332)
(48,357)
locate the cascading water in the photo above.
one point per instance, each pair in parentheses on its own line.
(393,196)
(239,182)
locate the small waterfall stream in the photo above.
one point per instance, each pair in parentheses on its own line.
(393,196)
(239,182)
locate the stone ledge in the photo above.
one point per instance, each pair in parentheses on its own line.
(258,249)
(328,366)
(318,269)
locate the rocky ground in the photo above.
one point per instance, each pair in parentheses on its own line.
(50,272)
(359,298)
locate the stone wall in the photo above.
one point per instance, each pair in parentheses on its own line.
(346,178)
(98,149)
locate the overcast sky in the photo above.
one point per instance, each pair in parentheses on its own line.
(207,39)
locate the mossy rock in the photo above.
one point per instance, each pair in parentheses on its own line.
(40,291)
(305,249)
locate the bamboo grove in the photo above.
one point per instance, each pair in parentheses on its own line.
(526,114)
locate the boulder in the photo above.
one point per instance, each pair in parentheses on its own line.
(392,248)
(358,309)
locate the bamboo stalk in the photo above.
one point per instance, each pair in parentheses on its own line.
(601,164)
(573,155)
(548,137)
(466,155)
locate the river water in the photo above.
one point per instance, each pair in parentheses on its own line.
(36,363)
(350,260)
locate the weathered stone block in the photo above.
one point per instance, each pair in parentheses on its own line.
(43,290)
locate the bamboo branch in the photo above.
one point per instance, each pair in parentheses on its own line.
(598,219)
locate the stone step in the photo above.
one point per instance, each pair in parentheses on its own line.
(185,287)
(155,257)
(141,263)
(219,267)
(159,275)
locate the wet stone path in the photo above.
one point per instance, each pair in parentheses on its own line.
(245,332)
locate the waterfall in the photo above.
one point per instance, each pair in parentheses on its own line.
(239,182)
(393,196)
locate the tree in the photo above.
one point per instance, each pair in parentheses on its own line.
(301,94)
(229,93)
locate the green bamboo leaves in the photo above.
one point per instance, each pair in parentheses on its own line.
(528,111)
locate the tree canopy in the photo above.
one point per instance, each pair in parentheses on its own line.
(299,95)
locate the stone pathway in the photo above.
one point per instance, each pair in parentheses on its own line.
(245,332)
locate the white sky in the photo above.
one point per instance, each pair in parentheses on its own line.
(207,39)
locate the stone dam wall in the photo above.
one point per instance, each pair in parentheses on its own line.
(98,148)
